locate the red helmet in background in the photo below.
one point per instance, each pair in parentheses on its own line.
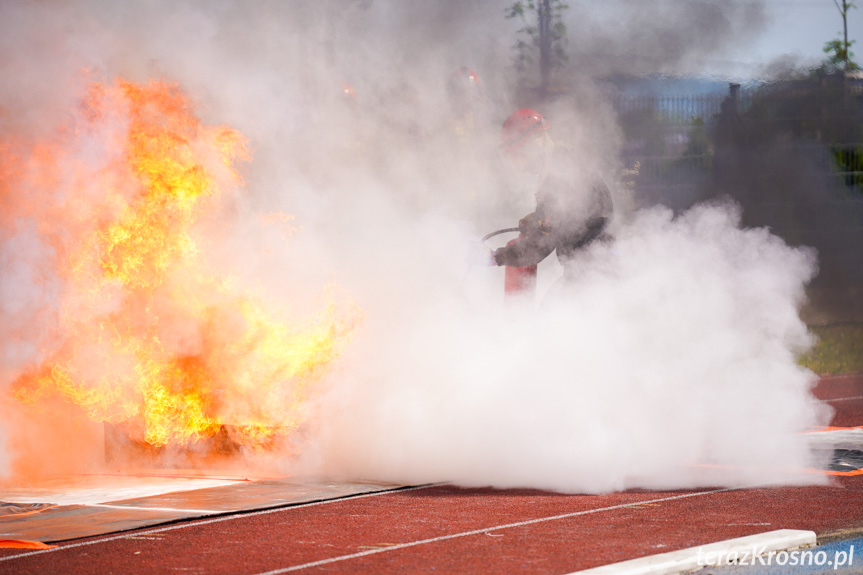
(464,87)
(466,76)
(520,126)
(348,91)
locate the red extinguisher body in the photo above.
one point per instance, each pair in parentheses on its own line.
(519,282)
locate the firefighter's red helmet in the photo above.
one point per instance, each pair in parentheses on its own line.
(520,125)
(348,91)
(464,87)
(467,76)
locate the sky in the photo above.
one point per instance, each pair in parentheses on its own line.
(796,29)
(766,36)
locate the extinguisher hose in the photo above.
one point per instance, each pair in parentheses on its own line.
(498,232)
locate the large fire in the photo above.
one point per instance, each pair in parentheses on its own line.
(148,335)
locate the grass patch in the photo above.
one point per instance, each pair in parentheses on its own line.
(839,349)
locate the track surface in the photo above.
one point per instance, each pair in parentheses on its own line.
(444,529)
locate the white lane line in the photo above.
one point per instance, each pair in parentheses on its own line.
(745,550)
(843,399)
(193,523)
(485,529)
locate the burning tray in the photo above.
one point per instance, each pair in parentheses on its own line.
(121,446)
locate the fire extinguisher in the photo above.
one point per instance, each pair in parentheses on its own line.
(518,282)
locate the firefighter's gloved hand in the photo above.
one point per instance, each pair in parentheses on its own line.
(480,255)
(530,224)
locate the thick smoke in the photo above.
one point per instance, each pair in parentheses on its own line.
(673,347)
(667,37)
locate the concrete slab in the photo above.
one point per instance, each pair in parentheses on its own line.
(684,560)
(86,512)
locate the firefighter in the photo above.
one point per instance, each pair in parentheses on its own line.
(464,90)
(571,211)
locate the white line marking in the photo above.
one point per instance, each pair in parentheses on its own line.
(192,523)
(486,529)
(843,399)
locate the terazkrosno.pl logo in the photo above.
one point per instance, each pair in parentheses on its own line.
(760,556)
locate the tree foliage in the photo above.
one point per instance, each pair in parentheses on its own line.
(545,34)
(839,52)
(840,57)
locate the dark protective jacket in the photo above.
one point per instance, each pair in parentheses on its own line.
(566,219)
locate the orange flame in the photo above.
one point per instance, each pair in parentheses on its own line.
(148,334)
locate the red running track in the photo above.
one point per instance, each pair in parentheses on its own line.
(845,394)
(444,529)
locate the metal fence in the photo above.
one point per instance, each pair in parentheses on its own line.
(806,191)
(672,139)
(668,140)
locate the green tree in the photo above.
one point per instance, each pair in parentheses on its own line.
(546,36)
(840,55)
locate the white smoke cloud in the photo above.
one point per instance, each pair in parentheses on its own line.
(673,347)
